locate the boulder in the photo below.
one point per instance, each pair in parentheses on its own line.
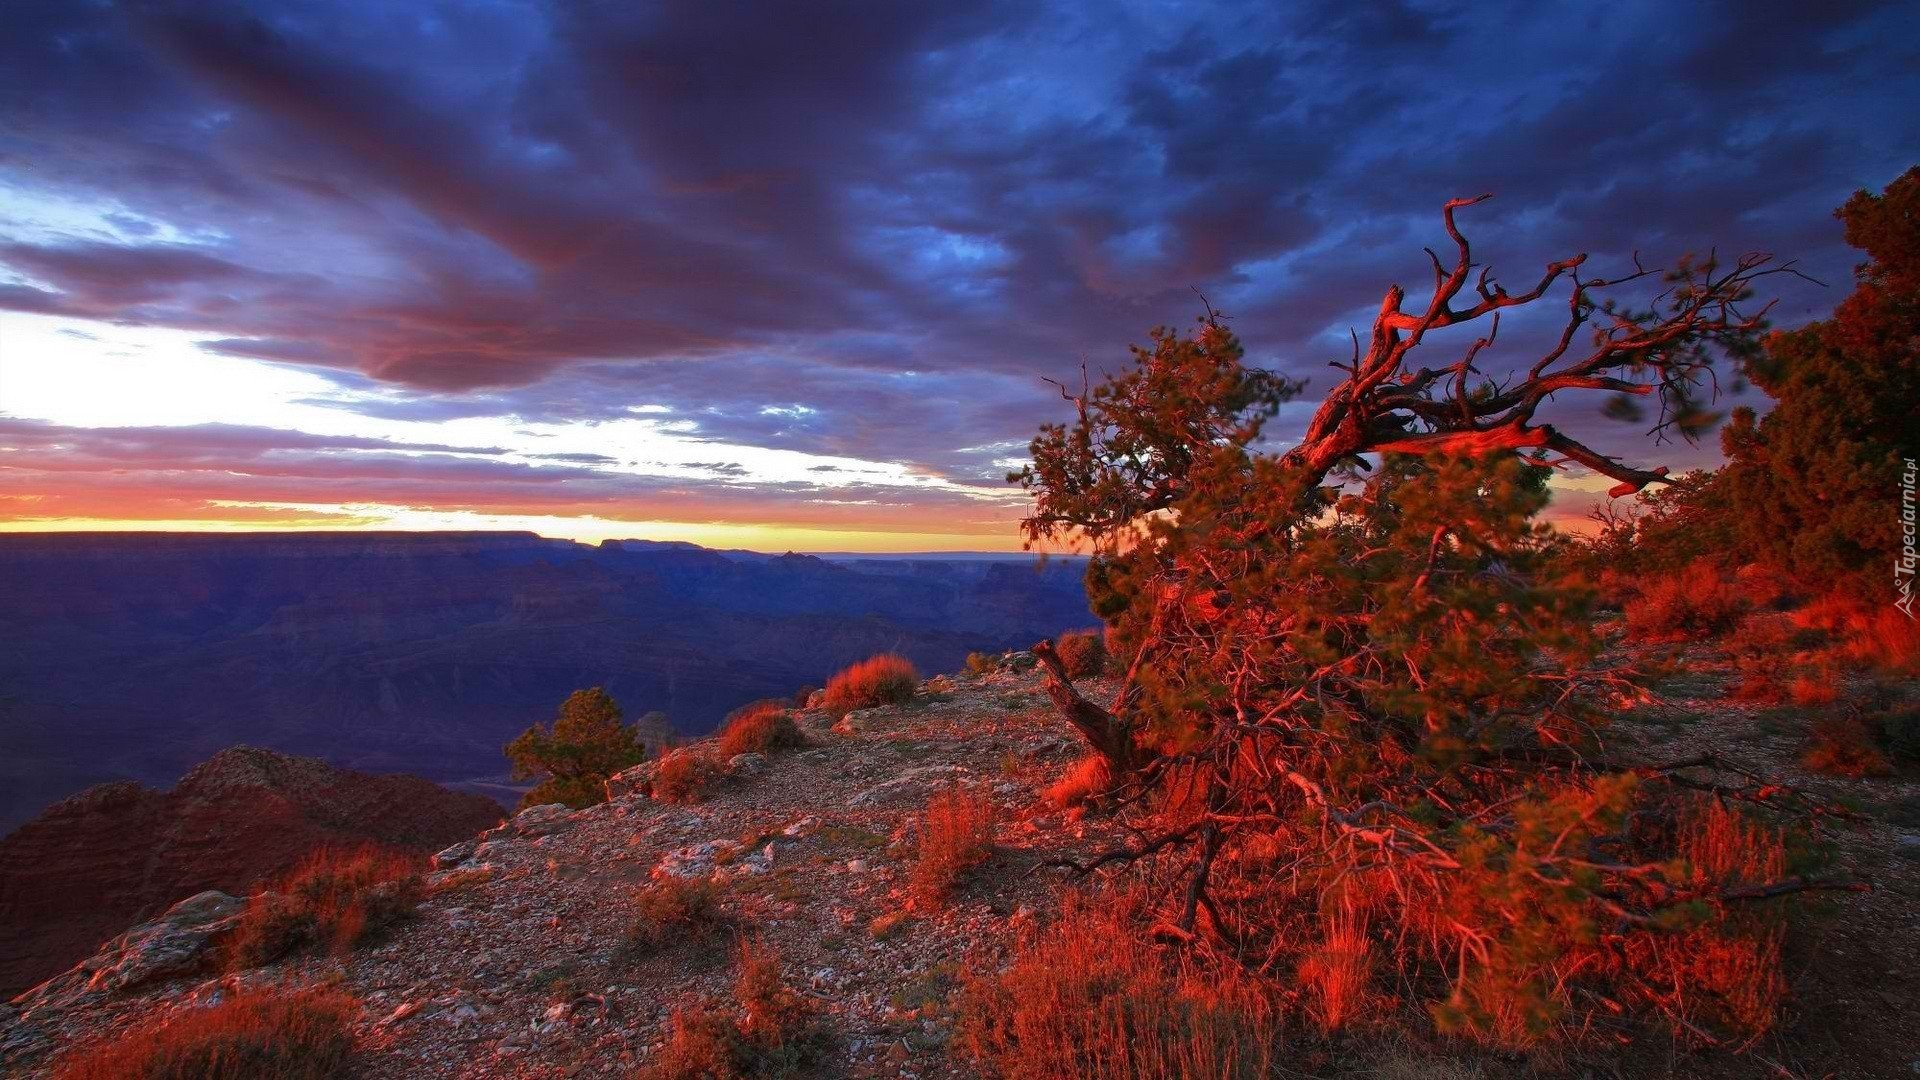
(179,942)
(742,766)
(455,855)
(634,783)
(543,820)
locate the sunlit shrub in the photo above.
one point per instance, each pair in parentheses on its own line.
(253,1034)
(1083,780)
(686,776)
(886,679)
(771,1031)
(980,663)
(1088,996)
(333,901)
(1083,653)
(672,911)
(955,836)
(764,727)
(1694,602)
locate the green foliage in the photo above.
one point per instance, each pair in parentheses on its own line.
(1813,481)
(585,744)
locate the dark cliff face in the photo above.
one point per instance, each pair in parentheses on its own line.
(97,862)
(136,655)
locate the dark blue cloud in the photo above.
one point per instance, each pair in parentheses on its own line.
(893,215)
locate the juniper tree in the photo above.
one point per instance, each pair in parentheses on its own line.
(1344,668)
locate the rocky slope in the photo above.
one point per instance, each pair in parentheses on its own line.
(243,816)
(515,964)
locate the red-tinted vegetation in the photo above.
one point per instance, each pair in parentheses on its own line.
(1367,699)
(769,1031)
(764,727)
(886,679)
(956,835)
(334,901)
(686,776)
(253,1034)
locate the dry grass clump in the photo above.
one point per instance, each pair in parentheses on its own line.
(1083,780)
(1083,653)
(671,911)
(764,727)
(771,1032)
(956,835)
(334,900)
(1088,996)
(1337,971)
(1693,603)
(685,776)
(1727,975)
(254,1034)
(886,679)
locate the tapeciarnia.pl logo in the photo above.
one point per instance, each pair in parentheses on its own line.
(1903,567)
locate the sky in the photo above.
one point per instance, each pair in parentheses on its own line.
(789,276)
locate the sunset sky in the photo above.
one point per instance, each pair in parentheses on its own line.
(787,276)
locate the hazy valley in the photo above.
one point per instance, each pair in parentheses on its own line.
(138,656)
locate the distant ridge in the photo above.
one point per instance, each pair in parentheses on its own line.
(242,816)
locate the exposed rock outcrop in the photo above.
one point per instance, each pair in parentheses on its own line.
(243,816)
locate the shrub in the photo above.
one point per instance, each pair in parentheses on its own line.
(1087,996)
(801,696)
(1812,689)
(1084,779)
(955,836)
(1725,975)
(671,911)
(1083,653)
(574,756)
(773,1032)
(253,1034)
(334,900)
(981,663)
(764,727)
(1336,973)
(886,679)
(1692,603)
(685,776)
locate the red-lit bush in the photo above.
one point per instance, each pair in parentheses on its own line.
(1087,995)
(1083,653)
(764,727)
(334,900)
(685,776)
(886,679)
(955,836)
(253,1034)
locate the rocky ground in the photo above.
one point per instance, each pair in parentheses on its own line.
(514,966)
